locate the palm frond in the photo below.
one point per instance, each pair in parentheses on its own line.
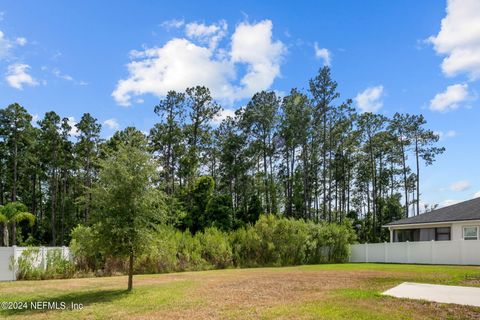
(24,216)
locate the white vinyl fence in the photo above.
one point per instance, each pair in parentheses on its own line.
(466,252)
(7,254)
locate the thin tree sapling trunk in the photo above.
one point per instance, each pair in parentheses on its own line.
(130,272)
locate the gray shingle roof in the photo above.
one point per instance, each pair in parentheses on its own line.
(467,210)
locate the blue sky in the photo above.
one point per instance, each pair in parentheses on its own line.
(115,60)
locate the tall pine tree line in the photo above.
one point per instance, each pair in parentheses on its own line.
(306,155)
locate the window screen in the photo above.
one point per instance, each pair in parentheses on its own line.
(470,233)
(442,234)
(403,235)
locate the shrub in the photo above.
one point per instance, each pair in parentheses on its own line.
(271,241)
(274,241)
(216,248)
(161,255)
(329,242)
(58,266)
(30,265)
(290,238)
(84,247)
(26,265)
(189,253)
(246,247)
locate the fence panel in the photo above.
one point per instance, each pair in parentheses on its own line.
(397,252)
(465,252)
(6,254)
(39,259)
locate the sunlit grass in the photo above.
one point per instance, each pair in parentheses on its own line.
(204,294)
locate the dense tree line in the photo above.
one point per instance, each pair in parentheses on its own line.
(308,155)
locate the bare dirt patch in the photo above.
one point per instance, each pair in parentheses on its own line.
(247,293)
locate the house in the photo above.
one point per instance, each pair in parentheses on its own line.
(460,221)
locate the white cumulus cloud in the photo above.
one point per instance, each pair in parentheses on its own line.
(252,44)
(476,194)
(460,185)
(182,63)
(5,45)
(459,38)
(17,76)
(223,114)
(73,131)
(322,53)
(370,100)
(172,24)
(57,73)
(446,134)
(209,34)
(21,41)
(111,123)
(450,98)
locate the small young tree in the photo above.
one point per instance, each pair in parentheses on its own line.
(11,214)
(126,206)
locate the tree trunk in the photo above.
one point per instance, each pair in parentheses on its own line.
(418,178)
(265,172)
(288,199)
(14,233)
(5,235)
(53,206)
(15,164)
(2,187)
(292,172)
(329,197)
(34,195)
(305,180)
(64,194)
(405,183)
(130,272)
(271,187)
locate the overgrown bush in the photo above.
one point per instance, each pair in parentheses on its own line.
(31,266)
(58,266)
(215,248)
(85,249)
(271,241)
(26,265)
(329,242)
(161,254)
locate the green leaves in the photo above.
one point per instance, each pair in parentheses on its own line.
(12,214)
(125,204)
(17,212)
(24,216)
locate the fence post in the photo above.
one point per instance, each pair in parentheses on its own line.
(14,263)
(385,256)
(366,252)
(432,251)
(408,251)
(43,252)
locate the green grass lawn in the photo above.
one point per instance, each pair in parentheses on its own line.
(333,291)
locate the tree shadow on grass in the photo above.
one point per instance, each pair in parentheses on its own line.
(63,301)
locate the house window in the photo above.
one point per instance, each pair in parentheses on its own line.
(403,235)
(470,233)
(442,234)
